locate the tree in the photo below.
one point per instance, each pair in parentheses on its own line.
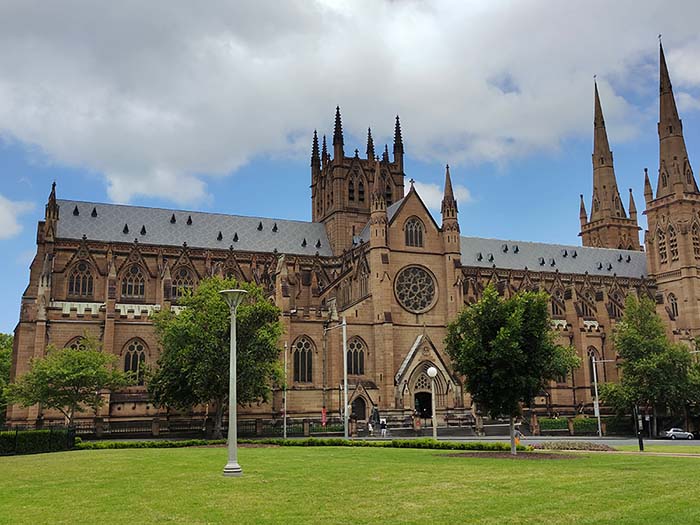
(193,367)
(656,373)
(69,380)
(6,341)
(506,350)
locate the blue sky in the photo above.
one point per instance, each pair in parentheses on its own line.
(215,111)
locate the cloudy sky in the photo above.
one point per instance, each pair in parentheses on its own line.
(167,104)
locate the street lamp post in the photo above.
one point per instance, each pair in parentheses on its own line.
(233,299)
(432,372)
(596,403)
(344,326)
(285,391)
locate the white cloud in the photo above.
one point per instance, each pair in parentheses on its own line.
(431,194)
(9,215)
(157,96)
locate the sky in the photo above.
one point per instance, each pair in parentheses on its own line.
(164,103)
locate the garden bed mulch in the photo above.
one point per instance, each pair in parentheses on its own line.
(508,455)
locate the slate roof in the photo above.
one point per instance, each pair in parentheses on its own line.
(541,257)
(153,226)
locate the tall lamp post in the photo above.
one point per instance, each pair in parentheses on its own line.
(233,299)
(596,404)
(285,391)
(432,372)
(344,326)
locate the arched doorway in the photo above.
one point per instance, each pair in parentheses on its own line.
(423,404)
(359,408)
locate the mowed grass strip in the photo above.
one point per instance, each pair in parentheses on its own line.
(668,449)
(343,485)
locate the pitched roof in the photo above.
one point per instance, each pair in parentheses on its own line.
(198,229)
(542,257)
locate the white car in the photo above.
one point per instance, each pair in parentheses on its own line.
(677,433)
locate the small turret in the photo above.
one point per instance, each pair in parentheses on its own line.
(51,215)
(398,144)
(315,160)
(338,152)
(324,153)
(648,192)
(632,208)
(449,204)
(370,144)
(582,215)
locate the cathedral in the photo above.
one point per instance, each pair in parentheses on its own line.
(375,256)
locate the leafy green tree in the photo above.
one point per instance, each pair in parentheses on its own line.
(69,380)
(656,374)
(507,351)
(5,364)
(193,367)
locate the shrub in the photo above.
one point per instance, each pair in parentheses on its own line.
(102,445)
(573,445)
(585,425)
(550,423)
(35,441)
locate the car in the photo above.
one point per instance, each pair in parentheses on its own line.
(677,433)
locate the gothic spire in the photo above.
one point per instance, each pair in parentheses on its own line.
(398,144)
(674,165)
(582,215)
(370,144)
(449,204)
(315,157)
(385,155)
(324,150)
(606,196)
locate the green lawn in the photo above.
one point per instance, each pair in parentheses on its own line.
(343,485)
(670,449)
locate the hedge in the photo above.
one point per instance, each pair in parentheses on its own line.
(550,423)
(585,425)
(573,445)
(310,442)
(35,441)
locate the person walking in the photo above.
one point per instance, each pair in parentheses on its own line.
(382,427)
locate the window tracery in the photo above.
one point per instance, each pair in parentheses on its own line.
(182,283)
(303,360)
(356,356)
(80,280)
(415,289)
(414,232)
(133,283)
(135,360)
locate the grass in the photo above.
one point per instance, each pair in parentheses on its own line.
(343,485)
(670,449)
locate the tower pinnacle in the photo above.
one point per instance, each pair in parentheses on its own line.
(370,144)
(338,136)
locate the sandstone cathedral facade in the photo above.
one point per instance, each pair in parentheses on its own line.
(374,255)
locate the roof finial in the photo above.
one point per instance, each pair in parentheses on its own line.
(315,157)
(338,129)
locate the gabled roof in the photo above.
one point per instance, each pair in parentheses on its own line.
(121,223)
(542,257)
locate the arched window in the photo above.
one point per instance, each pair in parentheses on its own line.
(615,306)
(356,356)
(664,180)
(673,243)
(588,304)
(414,232)
(387,195)
(133,283)
(364,281)
(361,191)
(351,191)
(593,353)
(557,302)
(80,280)
(77,343)
(661,240)
(688,177)
(182,283)
(596,204)
(695,233)
(135,359)
(673,303)
(303,360)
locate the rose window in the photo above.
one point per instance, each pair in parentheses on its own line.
(415,289)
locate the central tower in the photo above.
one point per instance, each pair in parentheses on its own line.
(341,185)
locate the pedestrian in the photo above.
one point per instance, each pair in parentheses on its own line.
(370,428)
(518,435)
(382,427)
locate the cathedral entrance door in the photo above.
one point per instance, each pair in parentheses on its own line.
(359,409)
(423,404)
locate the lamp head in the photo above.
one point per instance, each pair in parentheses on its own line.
(233,297)
(432,372)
